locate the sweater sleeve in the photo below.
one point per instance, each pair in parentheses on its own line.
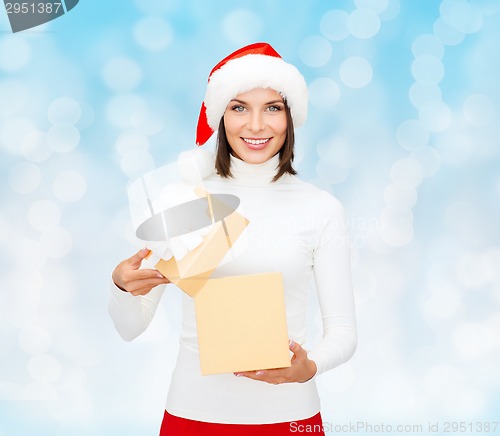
(132,315)
(332,273)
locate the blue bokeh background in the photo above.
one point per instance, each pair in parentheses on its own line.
(403,129)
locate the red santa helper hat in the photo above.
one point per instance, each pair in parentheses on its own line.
(254,66)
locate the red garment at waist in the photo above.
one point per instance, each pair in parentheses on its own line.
(175,426)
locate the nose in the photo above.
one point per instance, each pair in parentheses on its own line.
(256,121)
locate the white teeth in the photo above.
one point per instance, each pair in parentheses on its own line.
(255,141)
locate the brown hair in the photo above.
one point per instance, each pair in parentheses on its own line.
(223,162)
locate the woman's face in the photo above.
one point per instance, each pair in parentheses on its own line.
(256,125)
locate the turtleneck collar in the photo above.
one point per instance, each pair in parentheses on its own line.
(254,174)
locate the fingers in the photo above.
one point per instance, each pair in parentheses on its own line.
(142,274)
(136,279)
(296,349)
(294,373)
(142,286)
(272,376)
(129,277)
(136,260)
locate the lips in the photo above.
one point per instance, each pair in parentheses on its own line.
(256,143)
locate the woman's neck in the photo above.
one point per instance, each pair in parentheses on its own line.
(254,174)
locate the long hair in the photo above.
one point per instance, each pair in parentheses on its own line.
(223,162)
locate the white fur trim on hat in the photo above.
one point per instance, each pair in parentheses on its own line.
(255,71)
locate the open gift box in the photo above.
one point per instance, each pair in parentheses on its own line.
(241,320)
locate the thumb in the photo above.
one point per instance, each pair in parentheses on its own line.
(136,260)
(295,348)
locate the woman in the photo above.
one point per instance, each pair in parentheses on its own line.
(254,99)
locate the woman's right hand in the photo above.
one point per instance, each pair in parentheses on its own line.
(129,278)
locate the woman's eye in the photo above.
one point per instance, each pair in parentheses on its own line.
(238,108)
(274,108)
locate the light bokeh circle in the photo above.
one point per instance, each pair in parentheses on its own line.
(436,116)
(461,15)
(63,137)
(363,23)
(391,12)
(35,147)
(315,51)
(69,186)
(324,93)
(446,33)
(242,26)
(122,74)
(427,69)
(333,25)
(25,177)
(376,6)
(356,72)
(44,368)
(153,33)
(406,172)
(64,110)
(427,44)
(487,7)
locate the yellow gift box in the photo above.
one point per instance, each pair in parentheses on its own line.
(241,320)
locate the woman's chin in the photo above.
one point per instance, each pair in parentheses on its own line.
(254,157)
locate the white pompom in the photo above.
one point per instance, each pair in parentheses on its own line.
(195,165)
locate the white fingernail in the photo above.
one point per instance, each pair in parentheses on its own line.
(291,343)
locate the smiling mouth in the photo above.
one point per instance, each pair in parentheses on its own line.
(256,141)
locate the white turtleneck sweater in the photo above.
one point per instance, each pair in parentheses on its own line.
(298,230)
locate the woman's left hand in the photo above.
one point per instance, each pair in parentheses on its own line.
(302,369)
